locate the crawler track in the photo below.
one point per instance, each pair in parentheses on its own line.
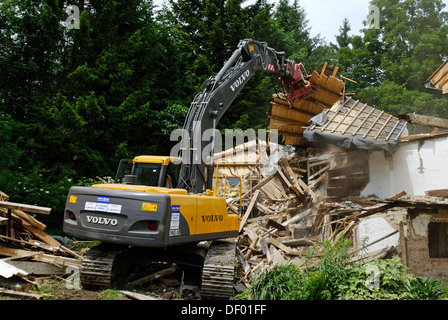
(104,266)
(98,268)
(218,271)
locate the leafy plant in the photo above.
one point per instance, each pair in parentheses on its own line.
(275,284)
(419,289)
(328,271)
(329,274)
(376,280)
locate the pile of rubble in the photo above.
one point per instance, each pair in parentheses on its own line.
(29,254)
(314,193)
(289,211)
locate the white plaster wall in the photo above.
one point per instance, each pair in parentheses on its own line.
(374,229)
(414,167)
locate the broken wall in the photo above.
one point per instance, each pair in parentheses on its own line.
(415,167)
(380,225)
(425,243)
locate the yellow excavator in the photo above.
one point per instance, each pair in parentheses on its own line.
(163,208)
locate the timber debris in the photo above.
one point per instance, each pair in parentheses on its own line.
(314,193)
(27,253)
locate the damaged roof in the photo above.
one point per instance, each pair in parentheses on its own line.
(353,123)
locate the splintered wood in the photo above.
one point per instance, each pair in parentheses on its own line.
(289,210)
(279,215)
(26,251)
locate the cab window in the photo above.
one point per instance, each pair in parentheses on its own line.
(147,174)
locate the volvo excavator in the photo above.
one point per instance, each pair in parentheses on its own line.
(166,209)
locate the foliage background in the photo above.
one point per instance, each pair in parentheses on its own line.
(75,101)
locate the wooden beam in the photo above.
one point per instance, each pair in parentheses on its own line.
(21,295)
(282,247)
(151,277)
(289,121)
(424,120)
(48,258)
(136,296)
(32,221)
(249,209)
(24,207)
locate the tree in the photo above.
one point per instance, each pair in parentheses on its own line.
(343,39)
(392,64)
(415,37)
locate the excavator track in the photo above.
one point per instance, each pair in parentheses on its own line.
(102,267)
(218,271)
(98,268)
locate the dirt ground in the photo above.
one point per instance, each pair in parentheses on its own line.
(166,288)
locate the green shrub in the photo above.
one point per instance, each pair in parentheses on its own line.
(376,280)
(419,289)
(329,274)
(275,284)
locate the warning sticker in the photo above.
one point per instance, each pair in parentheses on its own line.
(175,217)
(146,206)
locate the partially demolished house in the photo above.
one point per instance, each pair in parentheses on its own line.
(348,170)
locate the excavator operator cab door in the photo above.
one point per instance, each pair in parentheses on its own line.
(124,169)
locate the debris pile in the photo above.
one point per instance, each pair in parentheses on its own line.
(28,254)
(314,192)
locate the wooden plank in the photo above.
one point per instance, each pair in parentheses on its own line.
(31,220)
(48,258)
(38,267)
(300,242)
(355,117)
(39,234)
(151,277)
(345,115)
(289,184)
(291,220)
(21,295)
(376,241)
(382,128)
(327,167)
(24,207)
(285,164)
(282,247)
(332,118)
(276,225)
(425,120)
(136,296)
(288,121)
(374,123)
(265,248)
(34,243)
(397,195)
(3,196)
(7,270)
(364,121)
(251,248)
(249,209)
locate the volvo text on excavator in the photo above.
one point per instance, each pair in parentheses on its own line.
(165,209)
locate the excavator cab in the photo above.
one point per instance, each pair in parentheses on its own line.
(154,171)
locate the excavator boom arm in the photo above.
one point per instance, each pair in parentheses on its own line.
(213,101)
